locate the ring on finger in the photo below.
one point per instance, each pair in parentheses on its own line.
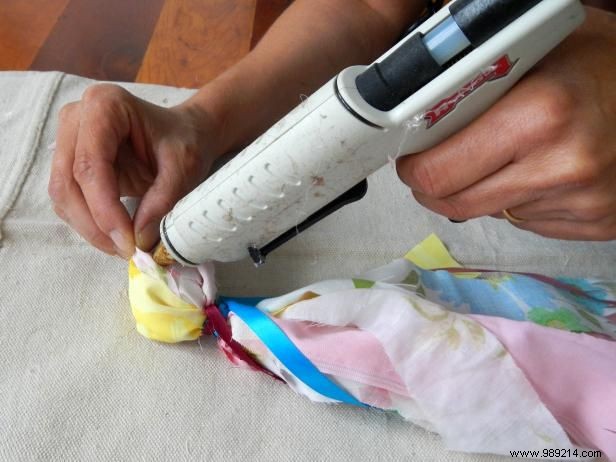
(511,217)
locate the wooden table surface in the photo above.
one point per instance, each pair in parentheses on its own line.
(183,43)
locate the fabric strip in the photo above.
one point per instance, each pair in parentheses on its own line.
(288,354)
(216,324)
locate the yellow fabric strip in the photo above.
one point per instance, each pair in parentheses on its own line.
(431,254)
(160,314)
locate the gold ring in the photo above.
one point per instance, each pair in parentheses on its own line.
(511,217)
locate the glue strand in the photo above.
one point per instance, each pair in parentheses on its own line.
(410,126)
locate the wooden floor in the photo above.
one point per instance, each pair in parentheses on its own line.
(174,42)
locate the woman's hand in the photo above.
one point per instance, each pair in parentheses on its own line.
(112,144)
(546,152)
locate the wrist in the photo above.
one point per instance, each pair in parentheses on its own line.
(219,106)
(205,122)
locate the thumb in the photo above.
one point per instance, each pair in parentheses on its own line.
(166,190)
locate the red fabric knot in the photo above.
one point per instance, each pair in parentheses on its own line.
(216,324)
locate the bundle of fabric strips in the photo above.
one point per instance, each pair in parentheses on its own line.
(491,361)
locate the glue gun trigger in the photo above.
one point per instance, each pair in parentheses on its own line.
(354,194)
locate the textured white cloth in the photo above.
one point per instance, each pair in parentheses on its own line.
(77,381)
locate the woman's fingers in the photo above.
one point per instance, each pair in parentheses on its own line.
(502,160)
(515,126)
(157,202)
(602,230)
(590,205)
(551,173)
(507,188)
(111,144)
(180,169)
(68,201)
(458,162)
(104,126)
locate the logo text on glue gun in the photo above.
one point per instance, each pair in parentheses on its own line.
(499,69)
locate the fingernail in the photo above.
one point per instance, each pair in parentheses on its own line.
(456,221)
(148,236)
(124,247)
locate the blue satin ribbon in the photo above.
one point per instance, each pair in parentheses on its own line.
(286,352)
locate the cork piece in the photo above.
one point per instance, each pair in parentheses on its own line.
(161,256)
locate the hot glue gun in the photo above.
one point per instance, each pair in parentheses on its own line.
(433,82)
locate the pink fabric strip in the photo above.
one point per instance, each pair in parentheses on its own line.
(346,352)
(574,375)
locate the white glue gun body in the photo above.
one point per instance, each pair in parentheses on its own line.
(435,81)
